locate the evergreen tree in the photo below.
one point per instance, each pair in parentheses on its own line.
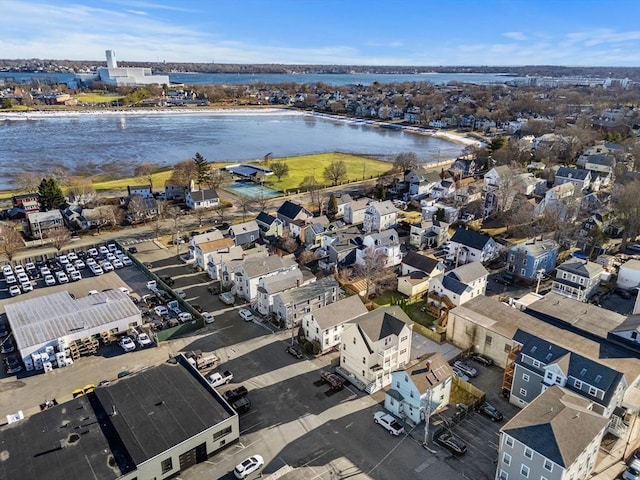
(203,170)
(332,208)
(50,194)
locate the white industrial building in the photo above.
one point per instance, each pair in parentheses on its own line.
(43,324)
(125,76)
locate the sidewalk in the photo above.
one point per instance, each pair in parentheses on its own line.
(611,465)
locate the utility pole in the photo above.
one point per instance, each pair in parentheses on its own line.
(425,442)
(539,277)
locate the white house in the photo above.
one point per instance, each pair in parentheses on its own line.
(202,238)
(416,271)
(269,287)
(196,199)
(325,325)
(380,216)
(421,389)
(376,344)
(629,275)
(468,246)
(142,190)
(291,305)
(460,284)
(385,244)
(354,210)
(248,274)
(204,251)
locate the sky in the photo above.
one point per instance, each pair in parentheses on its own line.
(344,32)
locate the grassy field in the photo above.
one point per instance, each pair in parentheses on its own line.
(158,180)
(97,98)
(314,165)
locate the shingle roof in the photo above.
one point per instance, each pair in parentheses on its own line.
(305,292)
(339,312)
(424,263)
(290,209)
(264,217)
(384,208)
(582,268)
(577,173)
(469,272)
(557,424)
(202,195)
(250,226)
(537,248)
(383,322)
(386,237)
(471,238)
(254,267)
(430,371)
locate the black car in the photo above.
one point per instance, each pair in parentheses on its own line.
(12,364)
(242,405)
(168,280)
(197,308)
(491,412)
(133,250)
(295,350)
(622,293)
(235,394)
(3,330)
(451,443)
(7,346)
(481,359)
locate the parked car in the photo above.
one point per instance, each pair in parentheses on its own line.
(466,368)
(621,292)
(26,286)
(49,280)
(248,466)
(10,279)
(295,350)
(12,364)
(451,443)
(235,394)
(633,471)
(144,340)
(161,310)
(7,270)
(14,290)
(335,381)
(197,307)
(93,252)
(117,263)
(227,297)
(180,293)
(107,266)
(460,374)
(62,277)
(490,411)
(208,317)
(389,423)
(132,250)
(242,405)
(75,276)
(246,315)
(7,346)
(481,359)
(127,344)
(168,280)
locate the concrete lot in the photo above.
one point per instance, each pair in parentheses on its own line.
(295,419)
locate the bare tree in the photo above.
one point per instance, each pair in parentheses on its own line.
(27,182)
(220,209)
(335,172)
(135,208)
(280,169)
(625,199)
(145,172)
(10,241)
(81,190)
(311,185)
(183,172)
(59,238)
(216,178)
(200,214)
(371,267)
(506,192)
(244,205)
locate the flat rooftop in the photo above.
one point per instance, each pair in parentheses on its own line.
(83,438)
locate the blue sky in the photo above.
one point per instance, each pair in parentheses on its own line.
(358,32)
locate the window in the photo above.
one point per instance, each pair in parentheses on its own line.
(549,376)
(488,340)
(548,465)
(404,339)
(503,475)
(593,390)
(403,351)
(508,441)
(221,433)
(536,363)
(354,340)
(523,271)
(166,465)
(525,377)
(364,360)
(506,459)
(507,348)
(523,392)
(528,452)
(524,471)
(577,384)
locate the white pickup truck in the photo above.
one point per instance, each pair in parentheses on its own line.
(216,379)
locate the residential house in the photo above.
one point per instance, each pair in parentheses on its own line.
(629,275)
(325,325)
(74,218)
(499,190)
(413,115)
(578,279)
(462,168)
(291,305)
(340,246)
(269,287)
(354,211)
(468,192)
(245,233)
(444,189)
(421,184)
(601,163)
(175,192)
(529,185)
(541,363)
(557,200)
(143,191)
(27,202)
(221,266)
(376,344)
(557,437)
(202,238)
(270,226)
(205,251)
(342,199)
(428,233)
(581,178)
(420,389)
(141,209)
(290,211)
(196,199)
(458,285)
(528,259)
(311,232)
(468,246)
(384,246)
(42,224)
(433,210)
(415,272)
(247,275)
(380,216)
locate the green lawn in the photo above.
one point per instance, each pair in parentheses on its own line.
(121,183)
(97,97)
(314,165)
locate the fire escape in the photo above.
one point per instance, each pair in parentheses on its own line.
(509,369)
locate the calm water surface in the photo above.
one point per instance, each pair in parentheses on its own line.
(95,143)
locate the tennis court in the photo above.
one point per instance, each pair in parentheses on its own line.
(252,190)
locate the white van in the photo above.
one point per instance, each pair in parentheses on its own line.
(185,317)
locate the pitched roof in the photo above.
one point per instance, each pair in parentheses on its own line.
(577,173)
(469,272)
(424,263)
(383,322)
(246,227)
(309,291)
(429,371)
(214,245)
(471,238)
(290,209)
(281,282)
(254,267)
(339,312)
(264,217)
(582,268)
(535,247)
(384,208)
(360,204)
(202,195)
(384,238)
(558,425)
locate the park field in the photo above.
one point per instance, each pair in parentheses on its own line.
(97,98)
(313,165)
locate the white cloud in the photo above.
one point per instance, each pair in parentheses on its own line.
(137,12)
(515,35)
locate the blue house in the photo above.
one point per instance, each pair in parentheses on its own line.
(425,386)
(526,259)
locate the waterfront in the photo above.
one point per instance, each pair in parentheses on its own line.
(95,143)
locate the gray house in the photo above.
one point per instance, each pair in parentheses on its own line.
(557,437)
(577,279)
(245,233)
(289,306)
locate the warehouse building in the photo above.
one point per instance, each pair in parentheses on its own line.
(150,425)
(58,321)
